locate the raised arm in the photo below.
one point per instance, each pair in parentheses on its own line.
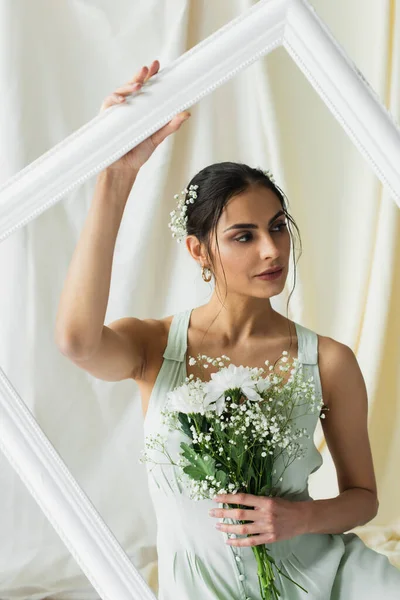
(116,351)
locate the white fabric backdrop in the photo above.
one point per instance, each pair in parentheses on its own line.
(57,63)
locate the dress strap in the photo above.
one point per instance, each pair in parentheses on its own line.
(308,356)
(308,345)
(177,336)
(177,340)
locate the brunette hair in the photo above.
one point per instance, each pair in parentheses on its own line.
(218,183)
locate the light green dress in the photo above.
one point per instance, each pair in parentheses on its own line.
(194,563)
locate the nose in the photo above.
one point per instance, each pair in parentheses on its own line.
(268,248)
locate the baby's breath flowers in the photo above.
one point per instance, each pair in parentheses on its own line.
(242,407)
(178,215)
(269,174)
(240,431)
(179,218)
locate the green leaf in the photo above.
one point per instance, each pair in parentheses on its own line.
(194,472)
(200,466)
(265,490)
(238,458)
(221,477)
(184,421)
(188,452)
(203,423)
(250,471)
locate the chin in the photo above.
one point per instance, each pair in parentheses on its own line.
(270,288)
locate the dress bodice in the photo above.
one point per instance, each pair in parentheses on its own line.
(193,560)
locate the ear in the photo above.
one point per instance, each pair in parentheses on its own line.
(196,249)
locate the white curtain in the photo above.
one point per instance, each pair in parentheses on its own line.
(57,63)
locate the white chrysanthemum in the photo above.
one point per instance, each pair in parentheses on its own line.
(263,384)
(189,398)
(229,378)
(182,400)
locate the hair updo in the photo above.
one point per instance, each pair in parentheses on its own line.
(218,183)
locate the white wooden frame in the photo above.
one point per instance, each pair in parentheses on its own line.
(267,25)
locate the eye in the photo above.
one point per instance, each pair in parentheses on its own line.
(243,236)
(280,226)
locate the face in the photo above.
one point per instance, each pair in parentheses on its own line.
(253,237)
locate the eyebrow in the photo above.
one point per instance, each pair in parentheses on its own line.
(253,225)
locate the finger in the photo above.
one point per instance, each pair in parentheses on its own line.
(155,65)
(119,95)
(111,100)
(251,540)
(237,514)
(238,529)
(131,86)
(140,75)
(144,73)
(240,498)
(169,128)
(128,88)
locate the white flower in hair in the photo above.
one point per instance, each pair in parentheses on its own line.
(178,216)
(268,174)
(271,177)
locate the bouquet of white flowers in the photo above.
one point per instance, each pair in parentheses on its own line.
(240,427)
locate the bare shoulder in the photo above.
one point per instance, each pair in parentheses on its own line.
(337,363)
(346,424)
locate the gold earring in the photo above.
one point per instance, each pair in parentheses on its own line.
(206,278)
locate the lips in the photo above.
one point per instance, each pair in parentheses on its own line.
(275,270)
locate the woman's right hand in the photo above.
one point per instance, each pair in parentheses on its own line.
(137,156)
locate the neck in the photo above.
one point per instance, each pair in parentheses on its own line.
(241,318)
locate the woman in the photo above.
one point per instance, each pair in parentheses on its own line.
(237,228)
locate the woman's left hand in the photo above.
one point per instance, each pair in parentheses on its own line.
(272,519)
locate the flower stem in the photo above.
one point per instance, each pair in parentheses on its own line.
(266,576)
